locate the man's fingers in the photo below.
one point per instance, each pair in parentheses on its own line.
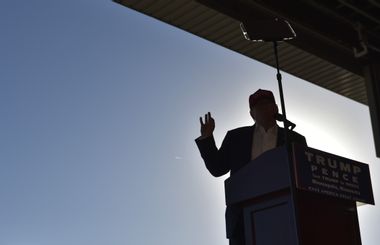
(208,119)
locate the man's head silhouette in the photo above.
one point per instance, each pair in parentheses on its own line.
(263,108)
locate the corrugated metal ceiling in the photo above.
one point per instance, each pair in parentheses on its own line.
(221,29)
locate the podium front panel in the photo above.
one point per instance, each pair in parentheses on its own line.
(270,222)
(267,173)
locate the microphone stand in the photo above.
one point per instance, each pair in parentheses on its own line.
(280,30)
(288,147)
(279,80)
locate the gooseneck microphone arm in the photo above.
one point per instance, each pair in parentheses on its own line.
(288,124)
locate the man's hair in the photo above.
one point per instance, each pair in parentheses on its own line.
(260,95)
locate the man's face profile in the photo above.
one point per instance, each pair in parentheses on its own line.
(264,111)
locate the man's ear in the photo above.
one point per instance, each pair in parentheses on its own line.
(252,114)
(276,109)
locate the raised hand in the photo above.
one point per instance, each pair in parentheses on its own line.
(207,128)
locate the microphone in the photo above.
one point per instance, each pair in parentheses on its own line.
(280,118)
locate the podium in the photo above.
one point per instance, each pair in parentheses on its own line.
(318,214)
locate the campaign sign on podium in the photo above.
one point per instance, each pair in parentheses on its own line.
(332,175)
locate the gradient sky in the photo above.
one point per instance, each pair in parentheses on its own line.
(99,111)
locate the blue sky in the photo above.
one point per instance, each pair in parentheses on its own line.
(99,110)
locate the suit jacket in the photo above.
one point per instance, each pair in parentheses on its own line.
(234,153)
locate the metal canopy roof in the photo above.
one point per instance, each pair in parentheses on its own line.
(323,52)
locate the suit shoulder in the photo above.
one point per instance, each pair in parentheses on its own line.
(297,134)
(240,130)
(291,133)
(299,138)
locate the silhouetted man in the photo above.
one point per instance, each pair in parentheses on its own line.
(240,146)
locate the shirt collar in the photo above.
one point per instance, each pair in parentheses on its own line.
(261,130)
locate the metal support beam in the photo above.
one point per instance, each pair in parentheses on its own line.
(372,79)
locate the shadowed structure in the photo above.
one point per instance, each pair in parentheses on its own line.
(337,45)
